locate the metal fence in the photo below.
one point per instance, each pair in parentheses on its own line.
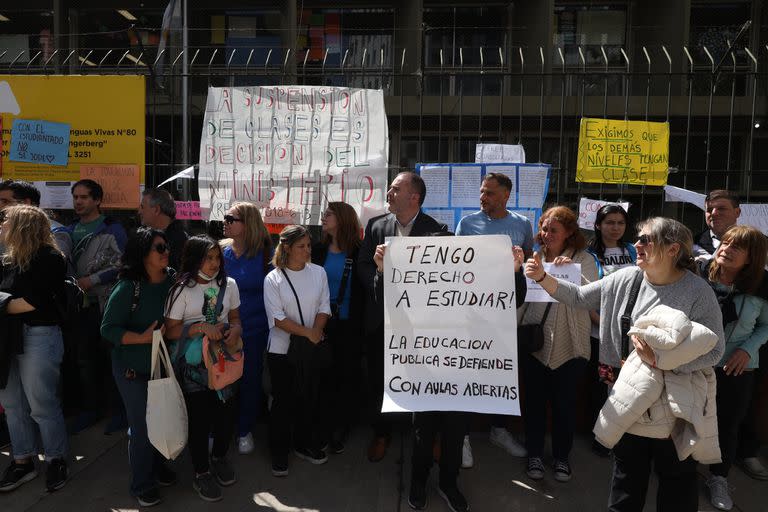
(716,108)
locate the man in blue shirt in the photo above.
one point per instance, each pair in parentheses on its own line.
(494,219)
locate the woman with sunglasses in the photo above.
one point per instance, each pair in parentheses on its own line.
(735,274)
(247,252)
(611,252)
(337,254)
(204,302)
(664,275)
(134,310)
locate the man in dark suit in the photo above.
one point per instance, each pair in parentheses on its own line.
(721,212)
(405,197)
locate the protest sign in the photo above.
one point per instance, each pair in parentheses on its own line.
(188,210)
(755,215)
(681,195)
(453,190)
(588,211)
(293,149)
(626,152)
(570,272)
(120,183)
(105,118)
(39,142)
(500,153)
(450,325)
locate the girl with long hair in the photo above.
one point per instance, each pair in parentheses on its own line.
(297,303)
(337,253)
(134,310)
(32,273)
(247,252)
(195,309)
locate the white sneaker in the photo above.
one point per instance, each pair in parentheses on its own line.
(245,444)
(718,493)
(503,439)
(467,461)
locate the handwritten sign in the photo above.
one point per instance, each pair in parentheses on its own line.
(39,142)
(570,272)
(755,215)
(120,183)
(507,153)
(588,211)
(188,210)
(450,325)
(628,152)
(293,149)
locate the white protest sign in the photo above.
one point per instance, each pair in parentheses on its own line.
(755,215)
(681,195)
(570,272)
(588,211)
(450,325)
(500,153)
(293,149)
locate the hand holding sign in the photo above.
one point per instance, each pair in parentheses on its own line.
(378,257)
(519,256)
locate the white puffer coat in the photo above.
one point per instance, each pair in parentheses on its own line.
(660,402)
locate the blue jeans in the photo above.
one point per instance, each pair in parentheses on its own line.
(142,456)
(30,397)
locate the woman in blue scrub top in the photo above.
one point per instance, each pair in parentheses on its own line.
(247,253)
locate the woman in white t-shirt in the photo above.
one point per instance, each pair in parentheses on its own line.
(192,312)
(611,252)
(294,281)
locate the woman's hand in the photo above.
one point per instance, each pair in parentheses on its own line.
(534,268)
(378,257)
(645,352)
(519,256)
(562,260)
(737,363)
(315,334)
(233,334)
(213,332)
(146,336)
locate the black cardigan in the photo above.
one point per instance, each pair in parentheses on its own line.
(319,253)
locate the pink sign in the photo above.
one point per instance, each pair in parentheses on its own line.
(188,210)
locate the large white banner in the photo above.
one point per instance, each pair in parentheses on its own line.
(450,325)
(293,149)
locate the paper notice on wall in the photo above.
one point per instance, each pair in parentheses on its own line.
(511,173)
(500,153)
(465,186)
(450,325)
(437,180)
(55,195)
(293,149)
(445,216)
(533,186)
(755,215)
(120,183)
(588,211)
(570,272)
(681,195)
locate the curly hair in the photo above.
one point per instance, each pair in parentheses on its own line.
(570,222)
(25,230)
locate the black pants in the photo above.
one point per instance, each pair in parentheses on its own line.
(382,424)
(452,426)
(97,389)
(544,385)
(342,396)
(296,405)
(749,440)
(734,393)
(208,415)
(632,457)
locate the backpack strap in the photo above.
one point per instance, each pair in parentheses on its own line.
(626,318)
(136,294)
(220,301)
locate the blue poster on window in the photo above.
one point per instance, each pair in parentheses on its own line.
(39,142)
(453,190)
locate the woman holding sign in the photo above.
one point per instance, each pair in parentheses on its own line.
(551,373)
(663,276)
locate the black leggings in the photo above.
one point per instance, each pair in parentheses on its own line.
(208,415)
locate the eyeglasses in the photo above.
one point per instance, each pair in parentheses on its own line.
(643,240)
(231,219)
(161,248)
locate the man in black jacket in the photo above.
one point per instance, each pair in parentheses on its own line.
(405,197)
(721,212)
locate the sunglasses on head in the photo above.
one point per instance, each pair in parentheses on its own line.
(161,248)
(643,240)
(231,219)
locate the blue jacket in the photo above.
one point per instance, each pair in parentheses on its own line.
(750,331)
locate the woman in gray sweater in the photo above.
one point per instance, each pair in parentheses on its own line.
(664,265)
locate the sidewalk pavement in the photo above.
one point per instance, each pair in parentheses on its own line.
(347,483)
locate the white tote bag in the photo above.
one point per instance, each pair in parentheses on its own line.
(166,409)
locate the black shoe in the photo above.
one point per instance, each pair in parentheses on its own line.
(280,466)
(417,498)
(17,475)
(337,447)
(149,498)
(116,423)
(453,498)
(206,487)
(223,472)
(56,475)
(311,455)
(164,476)
(600,450)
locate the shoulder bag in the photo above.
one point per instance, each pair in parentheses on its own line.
(302,353)
(530,337)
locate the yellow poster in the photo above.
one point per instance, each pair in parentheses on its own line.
(626,152)
(105,115)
